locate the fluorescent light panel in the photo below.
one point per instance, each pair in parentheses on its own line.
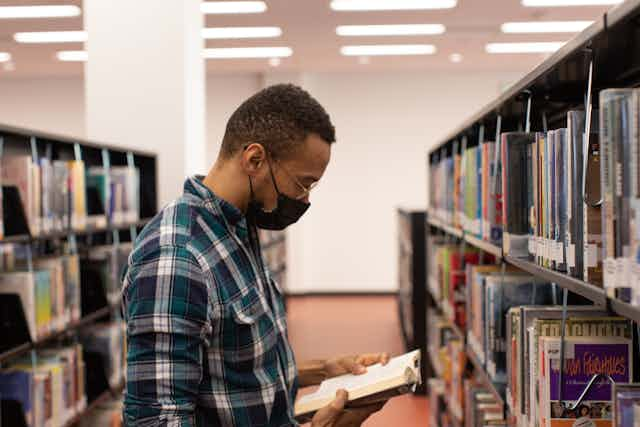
(247,52)
(72,55)
(51,37)
(51,11)
(536,47)
(5,57)
(390,30)
(545,27)
(364,5)
(229,7)
(559,3)
(389,49)
(241,32)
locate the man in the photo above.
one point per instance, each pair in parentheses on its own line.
(206,330)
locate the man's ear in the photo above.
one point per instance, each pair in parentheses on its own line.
(252,158)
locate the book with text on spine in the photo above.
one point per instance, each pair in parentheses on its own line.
(400,376)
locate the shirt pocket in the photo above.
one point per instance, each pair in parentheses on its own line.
(251,335)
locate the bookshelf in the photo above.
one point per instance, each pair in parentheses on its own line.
(411,282)
(597,59)
(70,239)
(274,251)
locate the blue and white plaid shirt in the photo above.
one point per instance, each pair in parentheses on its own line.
(206,329)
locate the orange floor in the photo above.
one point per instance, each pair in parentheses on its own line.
(327,326)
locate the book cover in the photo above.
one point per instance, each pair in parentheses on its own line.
(60,192)
(79,200)
(496,206)
(625,397)
(502,293)
(584,358)
(563,181)
(514,189)
(18,171)
(23,284)
(43,302)
(488,208)
(18,385)
(634,166)
(574,234)
(592,215)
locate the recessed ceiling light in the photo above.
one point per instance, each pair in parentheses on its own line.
(545,27)
(247,52)
(5,57)
(389,49)
(72,55)
(275,62)
(558,3)
(455,58)
(51,11)
(241,32)
(363,5)
(227,7)
(51,37)
(390,30)
(536,47)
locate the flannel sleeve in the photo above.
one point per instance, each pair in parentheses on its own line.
(166,309)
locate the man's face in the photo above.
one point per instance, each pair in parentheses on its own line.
(295,173)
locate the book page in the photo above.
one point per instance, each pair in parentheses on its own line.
(375,374)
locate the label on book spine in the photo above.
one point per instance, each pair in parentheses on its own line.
(591,255)
(571,255)
(609,275)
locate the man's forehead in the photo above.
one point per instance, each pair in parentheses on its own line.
(312,158)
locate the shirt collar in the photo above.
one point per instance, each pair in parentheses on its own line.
(194,186)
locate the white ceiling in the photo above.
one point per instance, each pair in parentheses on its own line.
(309,28)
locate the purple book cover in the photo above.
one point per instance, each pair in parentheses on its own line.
(583,360)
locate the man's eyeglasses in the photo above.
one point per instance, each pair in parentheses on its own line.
(306,190)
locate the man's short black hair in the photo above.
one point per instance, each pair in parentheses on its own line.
(280,118)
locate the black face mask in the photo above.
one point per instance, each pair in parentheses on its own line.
(286,212)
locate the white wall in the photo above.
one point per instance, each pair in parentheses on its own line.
(385,123)
(224,94)
(54,105)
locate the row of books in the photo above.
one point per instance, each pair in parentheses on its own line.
(568,202)
(52,387)
(57,195)
(51,294)
(50,390)
(512,323)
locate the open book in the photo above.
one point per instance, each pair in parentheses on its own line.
(379,383)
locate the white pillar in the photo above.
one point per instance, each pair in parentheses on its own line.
(145,83)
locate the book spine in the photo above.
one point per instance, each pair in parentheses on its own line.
(634,165)
(562,211)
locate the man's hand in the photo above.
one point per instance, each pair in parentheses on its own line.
(334,414)
(353,364)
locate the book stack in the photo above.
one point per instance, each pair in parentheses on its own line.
(50,295)
(106,263)
(594,344)
(118,189)
(620,184)
(491,294)
(107,340)
(466,191)
(52,193)
(50,390)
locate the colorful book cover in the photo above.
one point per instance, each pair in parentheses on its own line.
(584,358)
(43,302)
(79,199)
(496,195)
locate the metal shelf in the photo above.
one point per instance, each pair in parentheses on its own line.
(93,405)
(598,31)
(73,326)
(433,221)
(587,290)
(25,238)
(496,391)
(484,245)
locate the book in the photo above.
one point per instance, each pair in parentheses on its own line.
(625,398)
(399,376)
(20,171)
(592,215)
(515,214)
(574,234)
(615,129)
(35,295)
(584,358)
(502,293)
